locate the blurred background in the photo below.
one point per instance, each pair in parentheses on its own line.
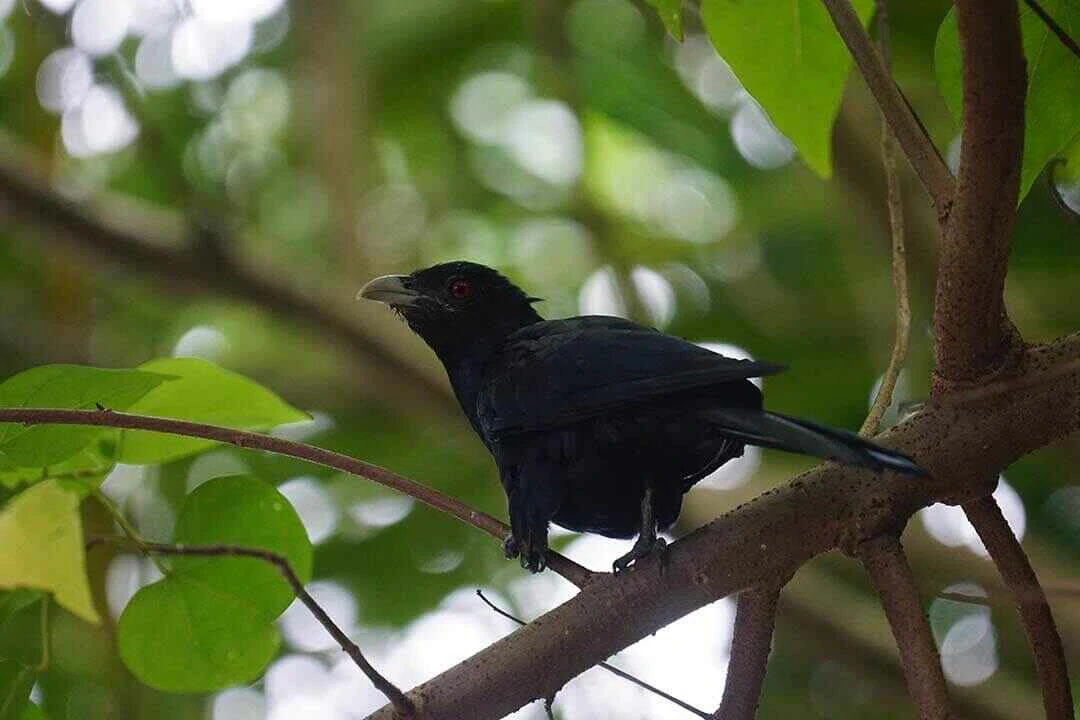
(217,179)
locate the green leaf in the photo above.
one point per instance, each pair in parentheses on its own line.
(20,626)
(209,623)
(41,534)
(32,712)
(86,469)
(16,681)
(670,12)
(781,47)
(1052,112)
(64,386)
(202,392)
(1069,171)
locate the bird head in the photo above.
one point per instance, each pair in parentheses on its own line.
(455,307)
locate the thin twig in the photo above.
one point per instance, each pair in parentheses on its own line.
(573,572)
(610,668)
(899,252)
(1050,663)
(755,617)
(894,583)
(125,526)
(387,688)
(910,133)
(1059,31)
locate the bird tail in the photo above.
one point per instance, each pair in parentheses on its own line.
(783,432)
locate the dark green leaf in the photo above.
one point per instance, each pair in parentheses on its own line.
(209,623)
(20,626)
(64,386)
(1052,113)
(202,392)
(670,12)
(16,681)
(781,47)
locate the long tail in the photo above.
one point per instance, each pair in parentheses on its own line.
(783,432)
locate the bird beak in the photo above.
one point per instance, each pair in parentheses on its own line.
(389,289)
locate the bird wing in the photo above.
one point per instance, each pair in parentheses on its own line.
(562,371)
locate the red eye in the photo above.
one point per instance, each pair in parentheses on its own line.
(461,289)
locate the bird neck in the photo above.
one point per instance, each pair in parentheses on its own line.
(466,357)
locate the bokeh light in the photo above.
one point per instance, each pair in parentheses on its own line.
(949,526)
(314,505)
(303,632)
(601,295)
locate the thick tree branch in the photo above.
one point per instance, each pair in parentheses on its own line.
(607,666)
(1042,632)
(766,539)
(925,159)
(397,698)
(973,335)
(755,617)
(26,195)
(894,583)
(431,497)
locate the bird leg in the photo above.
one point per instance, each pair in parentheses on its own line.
(647,540)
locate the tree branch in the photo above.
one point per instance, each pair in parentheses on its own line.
(973,335)
(899,252)
(431,497)
(925,159)
(765,540)
(1063,37)
(397,698)
(26,194)
(607,666)
(1030,600)
(755,617)
(894,583)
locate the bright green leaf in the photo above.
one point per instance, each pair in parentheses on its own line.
(1052,113)
(41,534)
(789,57)
(670,12)
(202,392)
(64,386)
(209,623)
(179,635)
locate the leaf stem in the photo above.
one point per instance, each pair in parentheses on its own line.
(129,530)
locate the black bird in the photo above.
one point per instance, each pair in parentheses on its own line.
(596,423)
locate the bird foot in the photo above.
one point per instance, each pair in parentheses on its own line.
(511,547)
(533,559)
(643,548)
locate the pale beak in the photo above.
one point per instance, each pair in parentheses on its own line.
(389,289)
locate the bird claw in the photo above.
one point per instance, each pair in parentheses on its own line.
(643,548)
(511,547)
(532,558)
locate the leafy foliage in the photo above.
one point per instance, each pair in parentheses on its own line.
(65,386)
(41,533)
(209,623)
(670,12)
(1052,113)
(202,392)
(781,47)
